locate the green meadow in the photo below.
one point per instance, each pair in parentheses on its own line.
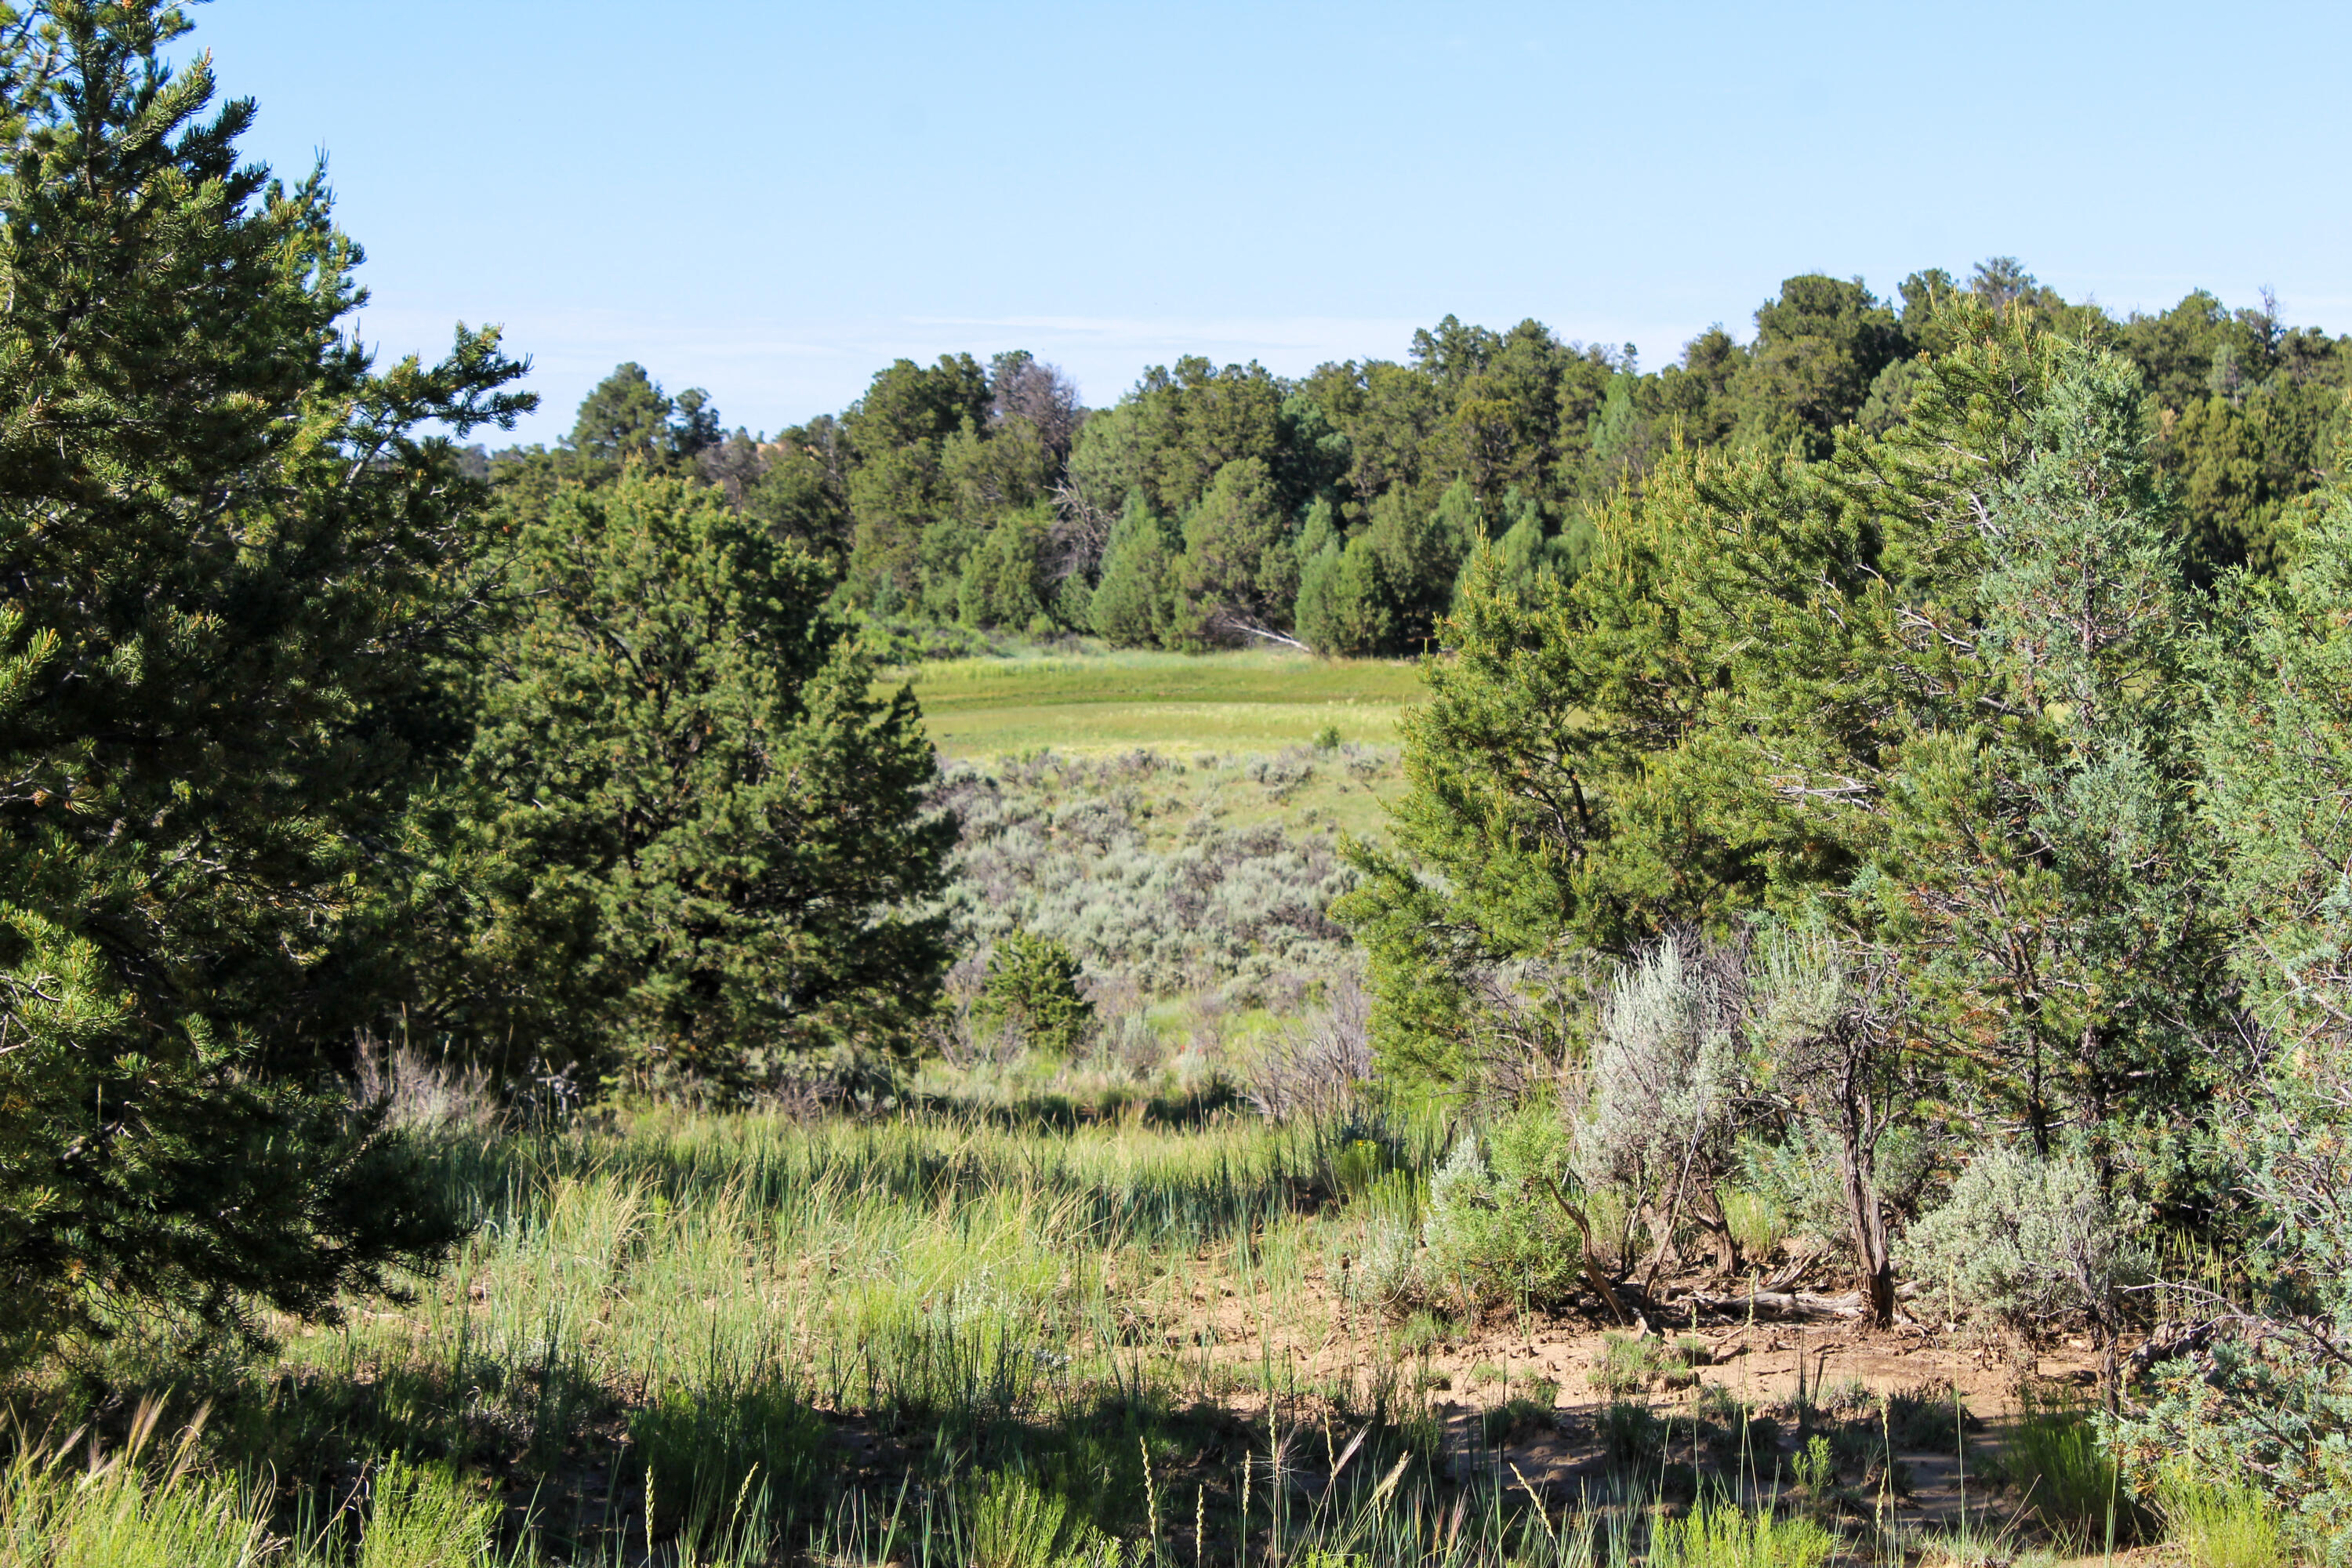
(1244,702)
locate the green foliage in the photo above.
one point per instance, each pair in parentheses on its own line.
(1005,579)
(1345,608)
(1509,436)
(1495,1232)
(628,418)
(421,1515)
(2272,1409)
(1758,1223)
(2277,738)
(732,1447)
(1820,345)
(2067,1479)
(1420,554)
(1632,1435)
(2026,1241)
(2227,1524)
(227,552)
(1134,605)
(1743,703)
(1795,1180)
(1015,1525)
(704,843)
(58,1506)
(1239,571)
(1664,1068)
(1720,1534)
(1032,992)
(1628,1365)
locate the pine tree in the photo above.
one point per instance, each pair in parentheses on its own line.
(1239,570)
(1133,605)
(1927,694)
(704,842)
(225,557)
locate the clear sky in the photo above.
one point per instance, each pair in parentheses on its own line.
(773,200)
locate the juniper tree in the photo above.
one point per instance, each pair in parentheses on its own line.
(1926,694)
(1993,726)
(2272,1409)
(225,555)
(701,841)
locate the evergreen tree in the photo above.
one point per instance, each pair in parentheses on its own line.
(1133,605)
(2272,1411)
(1927,695)
(1345,608)
(1239,571)
(1820,344)
(1032,991)
(1422,553)
(1526,552)
(704,842)
(1315,615)
(1004,581)
(226,557)
(627,416)
(1999,743)
(2276,749)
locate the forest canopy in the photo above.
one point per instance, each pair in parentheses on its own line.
(1215,505)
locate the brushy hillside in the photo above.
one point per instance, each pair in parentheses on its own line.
(1181,834)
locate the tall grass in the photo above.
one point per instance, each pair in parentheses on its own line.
(1720,1534)
(2067,1479)
(67,1505)
(63,1506)
(684,1336)
(2220,1525)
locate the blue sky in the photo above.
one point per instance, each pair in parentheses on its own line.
(771,201)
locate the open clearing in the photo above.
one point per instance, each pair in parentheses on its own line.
(808,1341)
(1250,702)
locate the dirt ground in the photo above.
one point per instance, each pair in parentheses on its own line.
(1762,1365)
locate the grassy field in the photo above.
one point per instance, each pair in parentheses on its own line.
(1044,1336)
(1034,1318)
(1247,701)
(1034,1312)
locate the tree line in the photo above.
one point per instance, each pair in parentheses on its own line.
(1214,505)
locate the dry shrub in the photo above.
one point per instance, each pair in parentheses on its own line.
(1318,1067)
(423,1094)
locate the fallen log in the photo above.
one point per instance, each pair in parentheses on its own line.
(2177,1340)
(1764,1304)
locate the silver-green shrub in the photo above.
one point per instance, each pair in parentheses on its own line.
(1798,1174)
(1661,1087)
(1059,845)
(1663,1071)
(1495,1229)
(2026,1242)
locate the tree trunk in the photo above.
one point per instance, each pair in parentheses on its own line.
(1875,1280)
(1708,1215)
